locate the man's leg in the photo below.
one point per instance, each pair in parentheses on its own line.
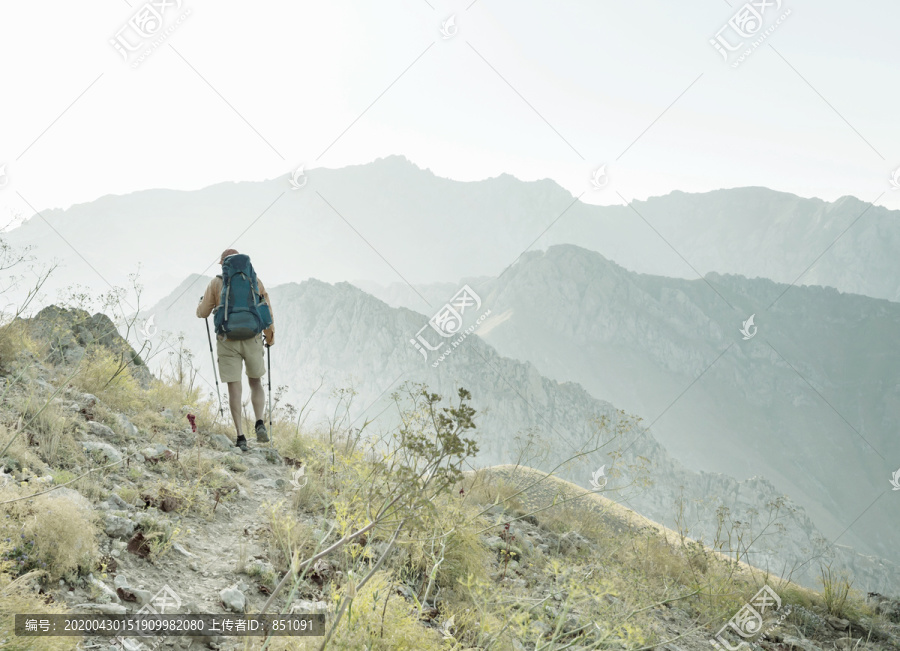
(257,397)
(256,369)
(230,364)
(234,403)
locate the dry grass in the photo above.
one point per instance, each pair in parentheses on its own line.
(55,533)
(103,375)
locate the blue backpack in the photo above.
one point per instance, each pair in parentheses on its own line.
(242,313)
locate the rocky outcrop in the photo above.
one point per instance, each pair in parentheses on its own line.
(71,333)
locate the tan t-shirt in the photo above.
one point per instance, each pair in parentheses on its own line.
(210,301)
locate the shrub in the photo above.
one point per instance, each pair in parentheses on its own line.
(50,430)
(378,619)
(835,590)
(60,531)
(455,544)
(103,375)
(14,339)
(15,597)
(19,455)
(285,536)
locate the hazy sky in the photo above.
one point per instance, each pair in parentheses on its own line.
(249,91)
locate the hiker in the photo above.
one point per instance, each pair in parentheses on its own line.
(251,321)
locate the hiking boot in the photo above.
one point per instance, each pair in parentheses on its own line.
(262,436)
(242,443)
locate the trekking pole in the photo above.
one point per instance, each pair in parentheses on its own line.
(269,363)
(213,358)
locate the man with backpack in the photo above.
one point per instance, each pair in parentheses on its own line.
(243,318)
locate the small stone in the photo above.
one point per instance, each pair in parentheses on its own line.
(104,449)
(838,623)
(269,454)
(87,400)
(121,581)
(156,452)
(143,596)
(792,642)
(100,430)
(304,607)
(128,428)
(181,550)
(117,502)
(233,599)
(221,442)
(118,527)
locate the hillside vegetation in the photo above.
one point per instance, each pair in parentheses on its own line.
(116,484)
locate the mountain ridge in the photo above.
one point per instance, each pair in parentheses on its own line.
(340,333)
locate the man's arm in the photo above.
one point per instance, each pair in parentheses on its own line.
(269,332)
(210,298)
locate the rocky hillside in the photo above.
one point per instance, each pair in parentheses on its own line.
(118,489)
(333,337)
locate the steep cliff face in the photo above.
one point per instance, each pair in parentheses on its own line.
(337,336)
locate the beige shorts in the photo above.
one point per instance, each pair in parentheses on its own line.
(232,353)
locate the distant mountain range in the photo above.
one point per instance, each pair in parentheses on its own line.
(389,221)
(811,401)
(339,336)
